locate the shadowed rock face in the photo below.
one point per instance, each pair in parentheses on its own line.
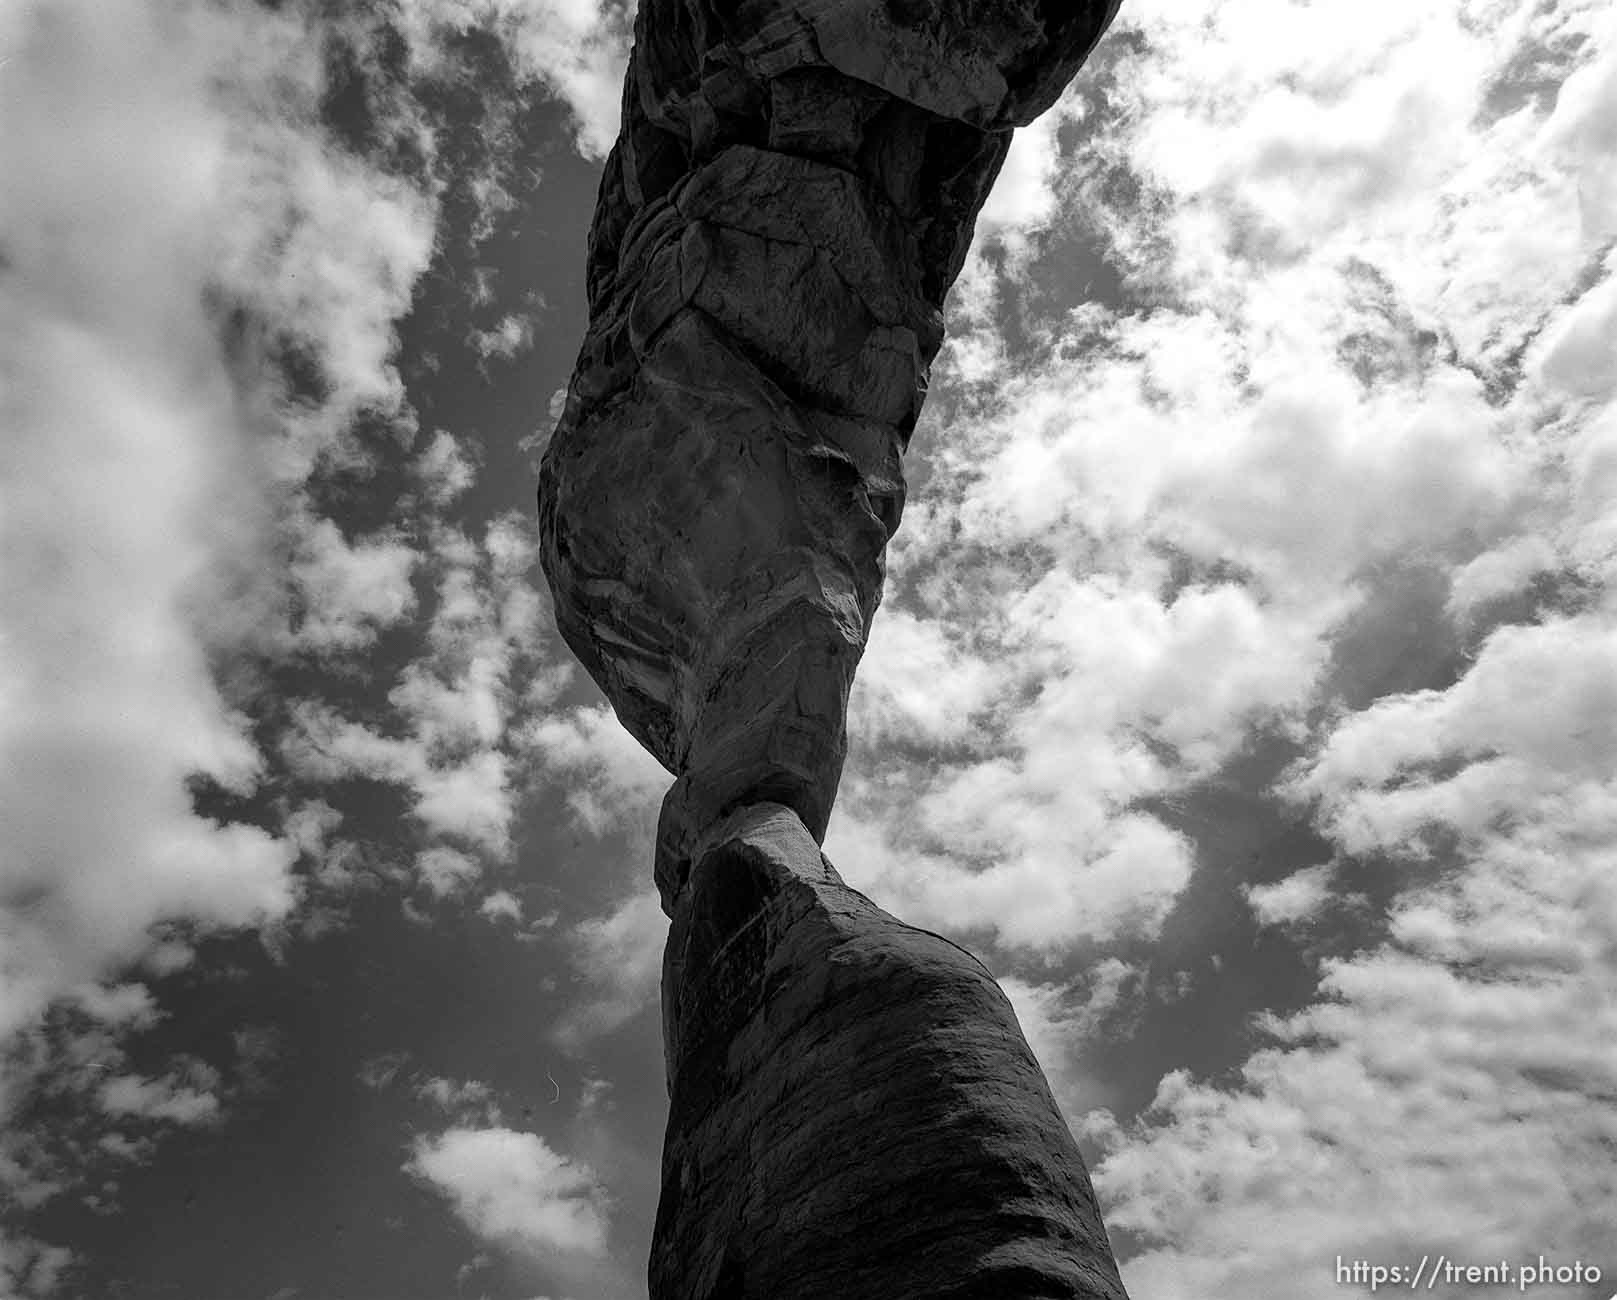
(853,1110)
(791,196)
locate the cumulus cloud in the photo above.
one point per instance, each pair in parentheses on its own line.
(1080,698)
(444,871)
(456,710)
(349,591)
(501,905)
(1533,719)
(1379,343)
(1443,1091)
(513,1189)
(459,1096)
(1296,900)
(1348,257)
(198,290)
(468,799)
(914,685)
(115,458)
(1498,575)
(445,468)
(577,48)
(139,482)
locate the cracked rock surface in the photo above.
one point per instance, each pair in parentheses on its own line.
(792,193)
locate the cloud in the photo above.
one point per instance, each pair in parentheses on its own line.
(513,334)
(1212,486)
(349,592)
(1044,887)
(619,956)
(1047,723)
(577,48)
(127,1006)
(457,715)
(1533,719)
(459,708)
(513,1189)
(502,905)
(1065,1024)
(198,291)
(378,1072)
(445,468)
(1140,542)
(1574,353)
(468,799)
(158,1099)
(446,872)
(1498,575)
(30,1268)
(611,782)
(914,685)
(1443,1091)
(1386,265)
(1580,127)
(1023,200)
(1295,900)
(463,1097)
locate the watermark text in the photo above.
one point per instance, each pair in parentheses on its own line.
(1439,1270)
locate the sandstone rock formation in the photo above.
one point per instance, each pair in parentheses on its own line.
(855,1112)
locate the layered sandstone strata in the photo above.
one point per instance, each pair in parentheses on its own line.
(792,195)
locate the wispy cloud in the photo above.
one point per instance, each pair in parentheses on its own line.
(509,336)
(170,1098)
(620,957)
(611,783)
(1065,1025)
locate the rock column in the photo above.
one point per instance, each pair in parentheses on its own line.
(854,1111)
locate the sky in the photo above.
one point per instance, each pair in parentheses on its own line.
(1245,690)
